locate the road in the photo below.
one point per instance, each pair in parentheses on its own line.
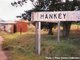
(2,53)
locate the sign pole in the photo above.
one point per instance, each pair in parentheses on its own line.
(38,37)
(58,37)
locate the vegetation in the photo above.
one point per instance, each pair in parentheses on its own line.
(51,5)
(22,47)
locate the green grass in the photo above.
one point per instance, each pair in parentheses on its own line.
(22,47)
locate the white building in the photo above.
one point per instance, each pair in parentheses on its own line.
(6,26)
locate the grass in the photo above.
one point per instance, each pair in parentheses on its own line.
(22,47)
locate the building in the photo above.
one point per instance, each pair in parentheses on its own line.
(21,26)
(7,26)
(13,26)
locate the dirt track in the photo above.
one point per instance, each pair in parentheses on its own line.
(2,53)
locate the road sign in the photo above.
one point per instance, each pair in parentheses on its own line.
(56,16)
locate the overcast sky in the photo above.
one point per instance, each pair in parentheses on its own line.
(8,12)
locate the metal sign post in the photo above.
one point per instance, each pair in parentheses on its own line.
(38,37)
(58,36)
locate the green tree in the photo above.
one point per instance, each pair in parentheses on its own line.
(69,6)
(53,5)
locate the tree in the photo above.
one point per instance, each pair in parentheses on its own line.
(42,5)
(69,6)
(52,5)
(66,6)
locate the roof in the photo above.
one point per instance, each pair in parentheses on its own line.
(7,22)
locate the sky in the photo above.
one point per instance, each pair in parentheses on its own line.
(9,12)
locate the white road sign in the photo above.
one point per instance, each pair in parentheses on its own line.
(56,16)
